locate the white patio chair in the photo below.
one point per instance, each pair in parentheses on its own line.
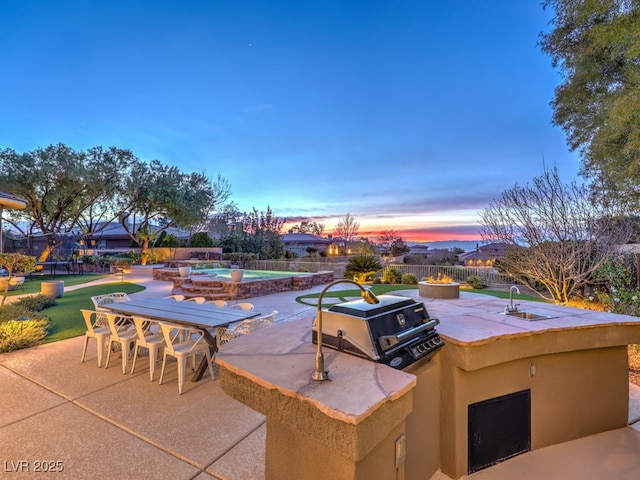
(116,297)
(181,350)
(16,282)
(225,335)
(199,300)
(122,335)
(218,303)
(177,298)
(151,340)
(95,329)
(246,306)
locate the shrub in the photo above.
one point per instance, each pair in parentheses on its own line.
(104,261)
(122,259)
(476,281)
(125,262)
(35,303)
(17,334)
(89,259)
(244,260)
(171,240)
(392,275)
(151,258)
(616,289)
(409,279)
(361,267)
(201,239)
(21,327)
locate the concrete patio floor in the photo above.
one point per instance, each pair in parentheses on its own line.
(91,422)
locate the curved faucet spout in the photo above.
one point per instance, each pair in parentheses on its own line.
(511,307)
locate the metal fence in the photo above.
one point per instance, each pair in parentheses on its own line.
(301,266)
(457,273)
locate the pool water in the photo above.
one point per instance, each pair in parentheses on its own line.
(249,274)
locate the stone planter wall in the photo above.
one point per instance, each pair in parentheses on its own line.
(439,290)
(224,289)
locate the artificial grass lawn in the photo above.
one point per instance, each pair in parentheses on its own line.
(67,320)
(33,285)
(350,294)
(501,294)
(380,289)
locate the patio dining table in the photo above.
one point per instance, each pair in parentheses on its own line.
(201,316)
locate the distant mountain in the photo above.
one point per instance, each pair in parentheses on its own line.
(466,245)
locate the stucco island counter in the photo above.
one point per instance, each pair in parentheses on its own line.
(500,386)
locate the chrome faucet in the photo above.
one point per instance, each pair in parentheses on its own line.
(320,374)
(511,307)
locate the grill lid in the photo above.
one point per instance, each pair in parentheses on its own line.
(362,309)
(397,331)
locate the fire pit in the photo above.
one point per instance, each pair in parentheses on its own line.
(440,291)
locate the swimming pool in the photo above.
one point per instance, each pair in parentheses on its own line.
(248,274)
(216,283)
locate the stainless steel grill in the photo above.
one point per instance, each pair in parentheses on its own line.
(397,331)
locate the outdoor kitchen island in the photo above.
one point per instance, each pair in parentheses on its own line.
(500,386)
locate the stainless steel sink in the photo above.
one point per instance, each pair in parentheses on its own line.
(528,315)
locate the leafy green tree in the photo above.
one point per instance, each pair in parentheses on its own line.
(227,219)
(169,241)
(201,239)
(363,247)
(263,234)
(596,45)
(309,226)
(255,232)
(616,285)
(107,170)
(63,186)
(159,197)
(13,263)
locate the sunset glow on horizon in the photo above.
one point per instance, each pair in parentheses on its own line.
(407,228)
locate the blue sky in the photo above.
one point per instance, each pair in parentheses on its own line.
(410,115)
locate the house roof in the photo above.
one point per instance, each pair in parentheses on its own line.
(304,238)
(116,230)
(419,249)
(485,252)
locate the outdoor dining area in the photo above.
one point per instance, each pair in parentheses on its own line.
(167,328)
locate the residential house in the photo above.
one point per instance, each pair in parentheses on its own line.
(419,249)
(484,255)
(299,242)
(115,237)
